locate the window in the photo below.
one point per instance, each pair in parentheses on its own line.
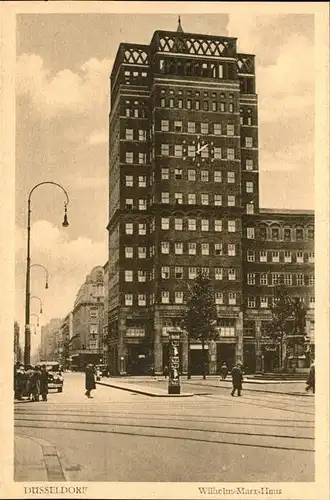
(142,252)
(142,181)
(192,248)
(262,233)
(230,129)
(165,197)
(287,257)
(299,257)
(192,224)
(178,150)
(251,256)
(142,299)
(217,129)
(178,173)
(165,223)
(142,228)
(204,128)
(217,176)
(264,279)
(204,199)
(218,273)
(231,226)
(205,248)
(191,199)
(128,252)
(178,224)
(127,112)
(264,302)
(180,103)
(287,234)
(231,250)
(129,157)
(217,199)
(165,271)
(299,234)
(191,127)
(311,257)
(165,247)
(178,273)
(205,225)
(251,278)
(192,273)
(165,297)
(205,105)
(275,232)
(142,204)
(178,198)
(214,106)
(288,279)
(251,302)
(165,125)
(164,174)
(128,275)
(230,177)
(142,158)
(142,275)
(275,256)
(230,154)
(311,280)
(249,120)
(205,271)
(205,152)
(178,248)
(128,299)
(191,175)
(248,142)
(142,135)
(276,279)
(217,153)
(218,298)
(232,298)
(218,225)
(218,249)
(250,208)
(263,256)
(249,164)
(178,297)
(165,149)
(232,274)
(300,279)
(222,106)
(204,175)
(129,134)
(249,187)
(197,105)
(231,201)
(250,234)
(192,151)
(231,108)
(129,203)
(129,180)
(171,103)
(189,106)
(310,233)
(129,228)
(178,126)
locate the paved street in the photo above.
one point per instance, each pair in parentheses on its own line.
(121,436)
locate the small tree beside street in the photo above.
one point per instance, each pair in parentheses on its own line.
(201,314)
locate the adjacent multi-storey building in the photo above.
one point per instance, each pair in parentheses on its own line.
(50,334)
(184,196)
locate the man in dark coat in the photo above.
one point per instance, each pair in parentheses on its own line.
(89,380)
(237,378)
(44,383)
(18,380)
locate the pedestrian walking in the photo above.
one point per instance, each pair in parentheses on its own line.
(237,379)
(89,380)
(165,371)
(44,383)
(311,379)
(224,371)
(19,380)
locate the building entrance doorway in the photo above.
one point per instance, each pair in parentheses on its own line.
(249,358)
(138,360)
(226,353)
(270,360)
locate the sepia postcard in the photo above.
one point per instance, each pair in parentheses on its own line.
(164,250)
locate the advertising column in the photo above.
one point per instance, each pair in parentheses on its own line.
(174,363)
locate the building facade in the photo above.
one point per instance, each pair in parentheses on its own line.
(85,345)
(183,196)
(50,334)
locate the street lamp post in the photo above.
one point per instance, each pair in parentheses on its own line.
(35,297)
(27,346)
(47,274)
(36,315)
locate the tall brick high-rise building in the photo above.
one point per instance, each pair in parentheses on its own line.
(183,192)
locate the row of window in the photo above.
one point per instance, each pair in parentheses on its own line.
(287,279)
(181,248)
(198,105)
(298,257)
(142,203)
(190,224)
(177,297)
(181,272)
(268,301)
(275,233)
(205,175)
(197,127)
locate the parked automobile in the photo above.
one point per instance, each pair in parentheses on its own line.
(55,378)
(101,371)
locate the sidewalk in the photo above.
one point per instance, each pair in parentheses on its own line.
(142,388)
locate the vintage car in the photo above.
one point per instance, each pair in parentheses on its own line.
(55,378)
(101,371)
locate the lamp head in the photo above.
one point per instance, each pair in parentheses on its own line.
(65,222)
(46,286)
(40,309)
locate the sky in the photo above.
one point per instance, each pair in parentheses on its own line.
(62,107)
